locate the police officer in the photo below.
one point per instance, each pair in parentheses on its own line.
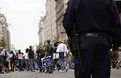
(97,27)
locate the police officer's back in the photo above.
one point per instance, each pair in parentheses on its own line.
(97,27)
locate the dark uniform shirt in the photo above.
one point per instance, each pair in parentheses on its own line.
(93,16)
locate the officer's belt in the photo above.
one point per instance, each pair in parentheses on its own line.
(91,34)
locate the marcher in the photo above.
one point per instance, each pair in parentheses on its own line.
(62,50)
(55,57)
(31,58)
(95,27)
(20,60)
(27,59)
(40,54)
(6,59)
(12,60)
(49,53)
(1,64)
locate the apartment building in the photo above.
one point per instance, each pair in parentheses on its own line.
(40,33)
(4,32)
(50,26)
(61,6)
(47,25)
(59,18)
(1,30)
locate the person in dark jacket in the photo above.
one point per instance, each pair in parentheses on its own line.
(1,64)
(12,60)
(49,53)
(96,28)
(31,56)
(40,54)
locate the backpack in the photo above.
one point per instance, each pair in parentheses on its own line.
(5,56)
(49,49)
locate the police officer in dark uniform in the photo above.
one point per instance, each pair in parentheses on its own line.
(97,28)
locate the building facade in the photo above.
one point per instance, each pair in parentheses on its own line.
(50,26)
(1,30)
(47,25)
(59,17)
(4,32)
(40,33)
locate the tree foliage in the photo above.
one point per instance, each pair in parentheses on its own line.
(2,43)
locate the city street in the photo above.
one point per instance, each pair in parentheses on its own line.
(27,74)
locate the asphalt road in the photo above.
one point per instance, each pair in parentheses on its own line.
(115,73)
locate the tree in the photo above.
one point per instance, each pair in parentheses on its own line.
(2,43)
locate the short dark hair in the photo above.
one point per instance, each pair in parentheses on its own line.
(48,41)
(26,50)
(30,46)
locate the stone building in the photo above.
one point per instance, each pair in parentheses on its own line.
(4,32)
(50,26)
(47,25)
(59,17)
(1,30)
(40,32)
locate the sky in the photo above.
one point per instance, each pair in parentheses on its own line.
(23,18)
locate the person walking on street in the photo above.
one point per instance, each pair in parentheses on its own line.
(1,62)
(20,60)
(6,59)
(27,59)
(49,53)
(93,28)
(31,56)
(12,61)
(62,50)
(40,55)
(55,57)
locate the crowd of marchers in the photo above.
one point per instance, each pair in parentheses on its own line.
(47,58)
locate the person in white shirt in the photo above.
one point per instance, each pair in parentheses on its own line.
(20,60)
(62,50)
(27,59)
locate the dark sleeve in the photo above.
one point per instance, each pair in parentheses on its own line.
(68,19)
(116,32)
